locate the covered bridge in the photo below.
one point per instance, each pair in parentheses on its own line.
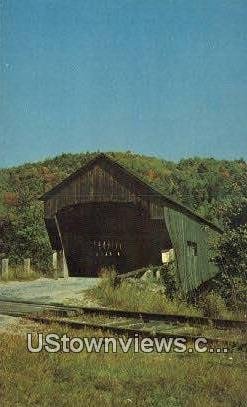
(104,215)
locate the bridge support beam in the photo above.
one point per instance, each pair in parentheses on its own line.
(5,269)
(62,269)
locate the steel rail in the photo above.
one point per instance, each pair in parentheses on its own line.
(119,329)
(133,332)
(143,315)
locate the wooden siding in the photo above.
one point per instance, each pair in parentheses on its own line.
(102,183)
(193,270)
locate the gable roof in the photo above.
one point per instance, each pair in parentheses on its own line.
(151,190)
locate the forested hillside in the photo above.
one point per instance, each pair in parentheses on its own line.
(217,189)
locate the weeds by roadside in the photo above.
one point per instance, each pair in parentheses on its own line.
(17,273)
(140,295)
(137,295)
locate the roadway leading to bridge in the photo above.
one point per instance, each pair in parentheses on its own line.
(46,290)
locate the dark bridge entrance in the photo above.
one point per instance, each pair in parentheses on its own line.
(99,234)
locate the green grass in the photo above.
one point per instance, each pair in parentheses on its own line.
(152,380)
(17,273)
(137,297)
(147,296)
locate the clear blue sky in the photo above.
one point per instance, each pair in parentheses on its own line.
(160,77)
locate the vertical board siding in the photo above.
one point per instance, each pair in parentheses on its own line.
(99,184)
(192,270)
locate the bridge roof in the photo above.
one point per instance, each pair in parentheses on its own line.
(151,191)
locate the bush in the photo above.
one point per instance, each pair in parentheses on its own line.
(233,290)
(239,295)
(213,305)
(169,279)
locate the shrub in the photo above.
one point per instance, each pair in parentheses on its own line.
(233,290)
(169,278)
(213,305)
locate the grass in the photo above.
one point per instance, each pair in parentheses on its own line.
(147,296)
(122,379)
(137,297)
(17,274)
(119,379)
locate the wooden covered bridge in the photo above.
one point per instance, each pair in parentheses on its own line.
(103,215)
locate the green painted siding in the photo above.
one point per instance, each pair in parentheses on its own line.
(192,269)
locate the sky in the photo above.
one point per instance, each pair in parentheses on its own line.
(159,77)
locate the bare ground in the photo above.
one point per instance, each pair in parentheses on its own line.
(44,290)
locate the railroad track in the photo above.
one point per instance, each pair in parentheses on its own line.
(130,323)
(145,316)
